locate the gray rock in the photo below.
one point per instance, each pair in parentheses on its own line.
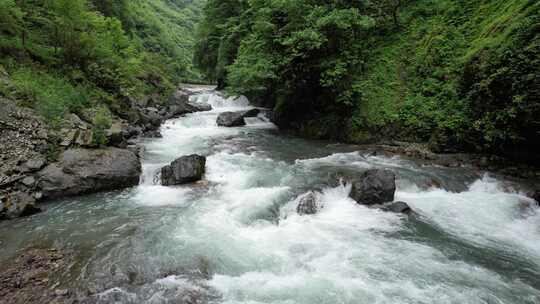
(82,171)
(18,204)
(35,163)
(374,186)
(179,104)
(235,119)
(397,207)
(179,97)
(308,204)
(29,181)
(185,169)
(68,137)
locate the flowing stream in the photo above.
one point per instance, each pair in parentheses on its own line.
(236,237)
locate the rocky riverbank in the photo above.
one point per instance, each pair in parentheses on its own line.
(40,162)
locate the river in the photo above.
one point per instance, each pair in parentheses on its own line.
(236,237)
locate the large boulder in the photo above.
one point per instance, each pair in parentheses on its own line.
(186,169)
(179,104)
(307,204)
(235,119)
(81,171)
(374,186)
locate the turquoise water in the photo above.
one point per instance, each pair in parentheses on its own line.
(236,238)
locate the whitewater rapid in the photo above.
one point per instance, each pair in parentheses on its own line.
(236,237)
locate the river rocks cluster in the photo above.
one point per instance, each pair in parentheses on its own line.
(374,188)
(235,119)
(38,162)
(147,114)
(186,169)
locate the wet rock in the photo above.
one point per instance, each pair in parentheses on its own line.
(374,186)
(536,196)
(397,207)
(82,171)
(179,103)
(185,169)
(188,107)
(235,119)
(308,204)
(179,97)
(18,204)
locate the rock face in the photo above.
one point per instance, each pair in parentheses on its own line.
(82,171)
(24,142)
(397,207)
(374,186)
(186,169)
(235,119)
(308,204)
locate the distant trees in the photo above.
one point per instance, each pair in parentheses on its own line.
(451,72)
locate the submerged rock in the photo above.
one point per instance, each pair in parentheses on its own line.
(235,119)
(397,207)
(308,204)
(185,169)
(374,186)
(536,196)
(82,171)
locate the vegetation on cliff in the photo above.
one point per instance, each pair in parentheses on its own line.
(62,56)
(461,75)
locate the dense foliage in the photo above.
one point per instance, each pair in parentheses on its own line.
(459,74)
(66,55)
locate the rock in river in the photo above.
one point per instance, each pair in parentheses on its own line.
(180,104)
(397,207)
(82,171)
(374,186)
(18,204)
(235,119)
(308,204)
(185,169)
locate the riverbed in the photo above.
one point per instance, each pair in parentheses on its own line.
(235,237)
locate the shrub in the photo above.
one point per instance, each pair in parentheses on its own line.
(101,122)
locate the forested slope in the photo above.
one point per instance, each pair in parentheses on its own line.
(461,75)
(61,56)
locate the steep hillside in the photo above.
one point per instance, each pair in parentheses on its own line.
(461,75)
(63,56)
